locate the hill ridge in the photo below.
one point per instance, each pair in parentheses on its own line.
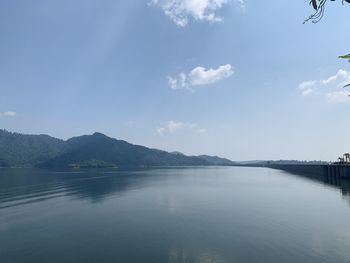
(95,150)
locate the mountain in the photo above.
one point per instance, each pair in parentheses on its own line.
(96,150)
(176,152)
(27,150)
(113,152)
(215,160)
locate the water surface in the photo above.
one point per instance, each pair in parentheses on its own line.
(212,214)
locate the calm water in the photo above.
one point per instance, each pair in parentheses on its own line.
(172,215)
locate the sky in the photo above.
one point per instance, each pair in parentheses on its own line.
(242,79)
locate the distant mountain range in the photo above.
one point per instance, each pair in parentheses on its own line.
(89,151)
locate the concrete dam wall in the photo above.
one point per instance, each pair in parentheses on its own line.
(341,171)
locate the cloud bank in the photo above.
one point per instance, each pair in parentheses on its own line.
(200,76)
(331,88)
(182,11)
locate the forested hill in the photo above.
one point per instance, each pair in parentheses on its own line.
(96,150)
(27,150)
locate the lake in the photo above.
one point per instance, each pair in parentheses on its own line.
(193,214)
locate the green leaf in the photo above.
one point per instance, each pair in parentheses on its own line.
(345,56)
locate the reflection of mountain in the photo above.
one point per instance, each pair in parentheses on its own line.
(99,186)
(18,187)
(24,186)
(89,151)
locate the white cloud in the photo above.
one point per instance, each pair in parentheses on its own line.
(308,92)
(340,75)
(8,114)
(182,11)
(331,88)
(308,87)
(240,4)
(128,123)
(307,84)
(200,76)
(171,127)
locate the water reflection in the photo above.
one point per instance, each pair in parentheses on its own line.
(231,214)
(25,186)
(341,184)
(180,255)
(18,187)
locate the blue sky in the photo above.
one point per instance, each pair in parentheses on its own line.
(239,79)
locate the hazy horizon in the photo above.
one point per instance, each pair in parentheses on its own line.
(239,79)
